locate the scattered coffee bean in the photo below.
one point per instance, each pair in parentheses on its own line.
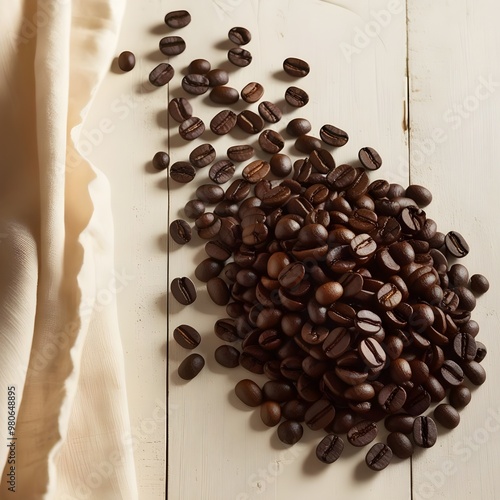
(334,136)
(424,432)
(296,67)
(271,141)
(183,290)
(281,165)
(307,144)
(182,171)
(227,356)
(460,396)
(270,413)
(456,244)
(218,291)
(223,122)
(224,95)
(239,57)
(161,75)
(250,122)
(240,153)
(172,45)
(248,392)
(479,284)
(178,19)
(447,416)
(239,35)
(420,194)
(296,97)
(362,433)
(252,92)
(186,336)
(191,128)
(191,366)
(256,171)
(199,67)
(221,171)
(126,61)
(202,155)
(217,77)
(180,231)
(161,160)
(194,208)
(369,158)
(290,432)
(180,109)
(330,448)
(400,444)
(270,112)
(379,457)
(195,84)
(298,127)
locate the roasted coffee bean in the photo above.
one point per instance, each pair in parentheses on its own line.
(372,353)
(333,136)
(481,352)
(191,128)
(180,231)
(208,225)
(248,392)
(199,67)
(342,177)
(296,97)
(182,171)
(161,75)
(367,322)
(447,416)
(474,372)
(322,161)
(389,296)
(250,122)
(223,122)
(290,432)
(180,109)
(360,392)
(479,284)
(227,356)
(328,293)
(296,67)
(256,171)
(221,171)
(218,291)
(239,35)
(464,346)
(424,432)
(298,127)
(202,155)
(178,19)
(186,336)
(224,95)
(460,396)
(252,92)
(270,112)
(400,422)
(191,366)
(239,57)
(226,330)
(279,391)
(400,444)
(307,144)
(217,77)
(362,433)
(369,158)
(456,244)
(451,373)
(183,290)
(319,415)
(240,152)
(281,165)
(330,448)
(238,190)
(210,194)
(420,194)
(172,45)
(379,457)
(392,398)
(195,84)
(194,208)
(458,275)
(271,141)
(270,413)
(208,269)
(126,61)
(363,245)
(161,160)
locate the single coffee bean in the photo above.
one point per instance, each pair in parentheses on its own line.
(399,423)
(221,171)
(223,122)
(126,61)
(250,122)
(460,396)
(296,97)
(451,373)
(334,136)
(195,84)
(372,353)
(202,155)
(424,432)
(270,413)
(252,92)
(180,231)
(227,356)
(161,160)
(328,293)
(447,416)
(238,190)
(224,95)
(256,171)
(199,67)
(194,208)
(389,296)
(464,346)
(217,77)
(290,432)
(191,366)
(330,448)
(362,433)
(392,398)
(281,165)
(180,109)
(360,392)
(226,330)
(248,392)
(400,444)
(240,153)
(183,290)
(474,372)
(420,194)
(296,67)
(298,127)
(378,457)
(479,284)
(239,35)
(456,244)
(307,144)
(208,225)
(320,414)
(218,291)
(271,141)
(279,391)
(210,194)
(322,161)
(270,112)
(369,158)
(367,322)
(178,19)
(161,75)
(191,128)
(481,352)
(186,336)
(182,172)
(400,371)
(239,57)
(172,45)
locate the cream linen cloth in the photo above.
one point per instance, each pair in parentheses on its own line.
(63,355)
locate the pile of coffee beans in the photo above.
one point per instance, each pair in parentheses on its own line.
(338,288)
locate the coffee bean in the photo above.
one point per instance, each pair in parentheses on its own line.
(250,122)
(126,61)
(161,75)
(290,432)
(298,127)
(447,416)
(320,414)
(186,336)
(208,225)
(195,84)
(183,290)
(223,122)
(182,172)
(363,245)
(456,244)
(322,161)
(281,165)
(221,171)
(424,432)
(218,291)
(328,293)
(252,92)
(372,353)
(460,396)
(239,57)
(191,128)
(481,352)
(334,136)
(389,296)
(161,160)
(227,356)
(420,194)
(360,392)
(172,45)
(180,231)
(379,457)
(217,77)
(362,433)
(255,171)
(202,155)
(399,423)
(271,141)
(224,95)
(369,158)
(226,330)
(367,322)
(194,208)
(208,269)
(400,371)
(270,112)
(474,372)
(248,392)
(330,448)
(296,67)
(270,413)
(210,194)
(307,144)
(392,398)
(464,346)
(479,284)
(239,35)
(199,67)
(240,153)
(296,97)
(191,366)
(452,373)
(178,19)
(180,109)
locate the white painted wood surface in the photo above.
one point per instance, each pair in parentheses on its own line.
(219,450)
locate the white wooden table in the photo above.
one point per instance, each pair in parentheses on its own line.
(417,80)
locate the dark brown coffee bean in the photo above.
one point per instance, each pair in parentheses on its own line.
(226,330)
(296,97)
(447,416)
(221,171)
(372,353)
(420,194)
(363,245)
(210,194)
(183,290)
(208,225)
(227,356)
(342,177)
(319,415)
(195,84)
(367,322)
(474,372)
(379,457)
(464,346)
(240,153)
(460,396)
(248,392)
(194,208)
(400,444)
(270,112)
(399,423)
(400,371)
(451,373)
(218,291)
(256,171)
(270,413)
(392,398)
(290,432)
(360,392)
(180,231)
(223,122)
(217,77)
(271,141)
(186,336)
(322,161)
(172,45)
(202,155)
(208,269)
(479,284)
(238,190)
(224,95)
(369,158)
(389,296)
(199,67)
(191,128)
(279,391)
(252,92)
(424,432)
(456,244)
(180,109)
(161,160)
(307,144)
(281,165)
(333,136)
(182,172)
(239,57)
(191,366)
(178,19)
(161,75)
(362,433)
(296,67)
(239,35)
(126,61)
(250,122)
(330,448)
(481,352)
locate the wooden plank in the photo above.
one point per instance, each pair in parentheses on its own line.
(454,119)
